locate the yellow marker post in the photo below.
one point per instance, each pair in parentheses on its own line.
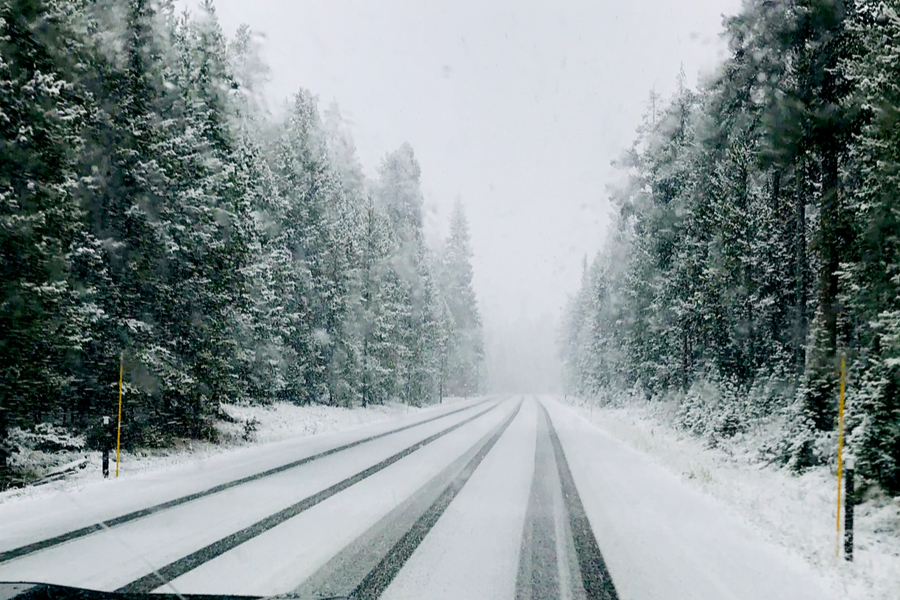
(840,456)
(119,432)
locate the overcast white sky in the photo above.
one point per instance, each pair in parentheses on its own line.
(517,106)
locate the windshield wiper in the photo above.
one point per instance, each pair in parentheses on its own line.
(46,591)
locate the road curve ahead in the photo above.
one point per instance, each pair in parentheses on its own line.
(495,498)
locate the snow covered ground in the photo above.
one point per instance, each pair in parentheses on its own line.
(278,422)
(797,513)
(662,536)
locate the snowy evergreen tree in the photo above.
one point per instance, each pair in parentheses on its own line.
(465,360)
(150,210)
(413,299)
(754,245)
(870,286)
(42,311)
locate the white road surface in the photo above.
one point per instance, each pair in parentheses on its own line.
(436,510)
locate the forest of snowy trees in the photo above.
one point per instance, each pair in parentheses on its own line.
(150,209)
(757,241)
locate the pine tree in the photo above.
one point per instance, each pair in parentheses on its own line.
(381,302)
(149,211)
(465,361)
(414,340)
(871,285)
(42,114)
(754,240)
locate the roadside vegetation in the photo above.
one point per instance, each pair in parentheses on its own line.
(755,244)
(152,211)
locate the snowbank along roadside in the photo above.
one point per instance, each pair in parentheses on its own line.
(797,512)
(274,423)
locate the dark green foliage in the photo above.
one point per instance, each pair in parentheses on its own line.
(757,241)
(42,309)
(148,212)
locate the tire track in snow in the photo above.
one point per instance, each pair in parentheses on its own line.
(595,578)
(379,578)
(548,566)
(27,549)
(190,562)
(345,573)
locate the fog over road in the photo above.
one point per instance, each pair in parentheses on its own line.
(498,497)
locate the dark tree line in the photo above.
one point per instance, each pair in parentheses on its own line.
(149,210)
(757,241)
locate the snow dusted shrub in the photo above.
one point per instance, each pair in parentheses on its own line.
(45,446)
(251,426)
(613,397)
(727,424)
(730,415)
(770,395)
(206,431)
(796,447)
(873,436)
(796,442)
(770,411)
(712,409)
(46,437)
(799,443)
(693,415)
(223,415)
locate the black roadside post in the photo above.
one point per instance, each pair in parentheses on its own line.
(4,446)
(848,512)
(105,444)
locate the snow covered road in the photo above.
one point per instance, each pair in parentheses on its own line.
(493,498)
